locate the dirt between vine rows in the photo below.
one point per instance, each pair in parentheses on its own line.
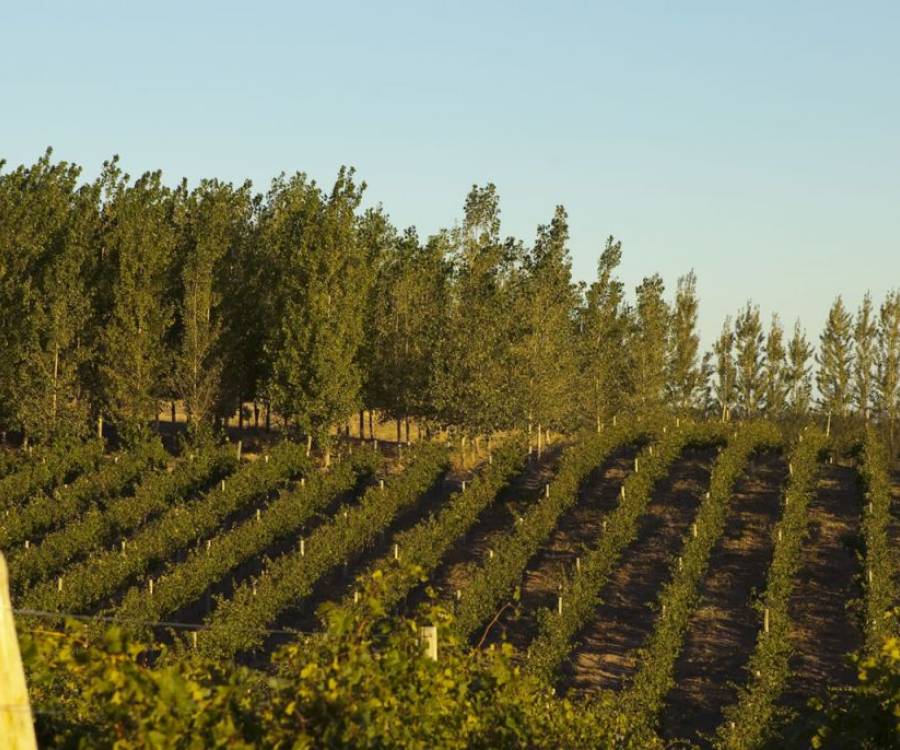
(197,610)
(576,531)
(302,616)
(604,656)
(723,628)
(825,630)
(496,520)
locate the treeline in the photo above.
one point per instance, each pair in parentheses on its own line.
(119,294)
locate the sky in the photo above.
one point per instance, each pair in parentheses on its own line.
(755,143)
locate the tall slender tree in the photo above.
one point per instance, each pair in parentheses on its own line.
(748,344)
(865,344)
(138,244)
(648,343)
(316,379)
(798,373)
(726,374)
(774,370)
(47,231)
(685,375)
(215,221)
(835,360)
(603,325)
(887,391)
(545,349)
(473,384)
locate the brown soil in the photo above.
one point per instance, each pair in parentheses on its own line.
(624,620)
(496,520)
(825,629)
(577,530)
(722,630)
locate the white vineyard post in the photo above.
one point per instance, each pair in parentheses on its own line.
(428,636)
(16,724)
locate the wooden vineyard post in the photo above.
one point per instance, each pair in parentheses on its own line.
(16,724)
(429,637)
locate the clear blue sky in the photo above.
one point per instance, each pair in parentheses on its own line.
(758,143)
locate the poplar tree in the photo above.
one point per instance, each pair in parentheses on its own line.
(865,345)
(726,374)
(685,375)
(215,221)
(473,381)
(887,391)
(544,352)
(47,228)
(798,373)
(749,375)
(316,378)
(407,302)
(138,244)
(602,330)
(648,343)
(835,360)
(775,370)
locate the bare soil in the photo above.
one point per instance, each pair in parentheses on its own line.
(826,627)
(495,521)
(605,656)
(577,530)
(722,630)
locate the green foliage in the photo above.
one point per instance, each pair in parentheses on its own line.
(315,379)
(238,624)
(46,469)
(867,716)
(101,526)
(184,582)
(213,224)
(422,547)
(177,528)
(835,360)
(47,227)
(602,330)
(881,590)
(685,375)
(139,240)
(364,683)
(580,595)
(749,722)
(749,373)
(798,378)
(647,345)
(45,512)
(496,578)
(644,696)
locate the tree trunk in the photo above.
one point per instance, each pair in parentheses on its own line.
(255,415)
(55,379)
(371,426)
(173,412)
(268,417)
(362,424)
(407,430)
(399,430)
(241,415)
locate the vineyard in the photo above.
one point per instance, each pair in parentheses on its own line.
(655,582)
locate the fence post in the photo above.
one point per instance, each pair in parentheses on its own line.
(16,723)
(429,637)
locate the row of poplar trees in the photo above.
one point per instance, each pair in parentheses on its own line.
(117,295)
